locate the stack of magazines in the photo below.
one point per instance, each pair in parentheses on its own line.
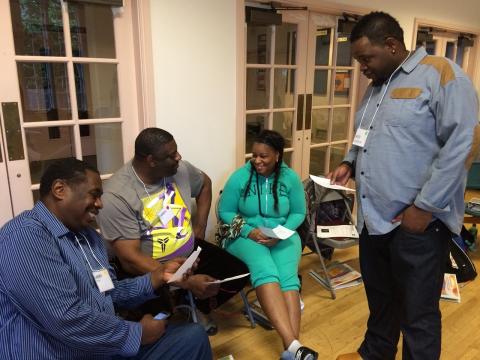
(450,289)
(342,276)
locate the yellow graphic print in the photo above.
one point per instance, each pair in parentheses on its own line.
(170,222)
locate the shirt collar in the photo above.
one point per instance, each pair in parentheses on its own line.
(415,57)
(56,227)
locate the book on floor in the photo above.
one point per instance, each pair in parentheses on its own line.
(342,276)
(450,289)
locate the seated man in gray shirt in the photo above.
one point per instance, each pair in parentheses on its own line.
(147,219)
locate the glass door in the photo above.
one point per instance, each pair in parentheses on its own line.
(275,75)
(299,82)
(329,87)
(60,93)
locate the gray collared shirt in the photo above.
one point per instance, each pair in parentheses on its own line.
(418,144)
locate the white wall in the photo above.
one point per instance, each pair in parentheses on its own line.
(195,54)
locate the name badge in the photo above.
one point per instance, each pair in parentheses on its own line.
(103,280)
(360,137)
(165,215)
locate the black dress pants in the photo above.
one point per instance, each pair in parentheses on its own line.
(213,261)
(403,277)
(218,263)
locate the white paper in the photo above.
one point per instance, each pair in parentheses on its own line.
(349,231)
(185,266)
(325,182)
(229,279)
(279,232)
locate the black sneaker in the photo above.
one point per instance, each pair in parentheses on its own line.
(305,353)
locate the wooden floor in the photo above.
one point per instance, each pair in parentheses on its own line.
(336,326)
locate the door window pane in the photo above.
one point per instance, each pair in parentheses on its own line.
(91,30)
(344,57)
(255,124)
(321,87)
(37,27)
(323,51)
(450,50)
(337,154)
(430,47)
(258,44)
(97,91)
(258,88)
(44,91)
(320,125)
(285,44)
(340,124)
(284,88)
(102,146)
(341,94)
(317,160)
(43,148)
(282,123)
(287,158)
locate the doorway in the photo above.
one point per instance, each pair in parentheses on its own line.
(300,81)
(63,94)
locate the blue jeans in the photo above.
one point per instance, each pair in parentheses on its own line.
(403,277)
(179,342)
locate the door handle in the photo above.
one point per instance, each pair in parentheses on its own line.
(13,131)
(300,103)
(308,112)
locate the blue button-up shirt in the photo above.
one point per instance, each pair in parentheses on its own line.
(418,144)
(50,306)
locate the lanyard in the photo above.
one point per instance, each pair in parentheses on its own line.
(85,255)
(381,98)
(166,196)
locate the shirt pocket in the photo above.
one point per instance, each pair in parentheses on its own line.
(401,106)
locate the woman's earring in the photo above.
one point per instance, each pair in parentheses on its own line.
(393,51)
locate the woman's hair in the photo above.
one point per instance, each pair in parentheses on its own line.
(276,142)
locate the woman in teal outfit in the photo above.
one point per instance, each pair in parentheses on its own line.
(266,192)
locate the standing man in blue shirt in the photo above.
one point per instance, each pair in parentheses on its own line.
(416,135)
(57,290)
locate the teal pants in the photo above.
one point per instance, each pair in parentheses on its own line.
(270,264)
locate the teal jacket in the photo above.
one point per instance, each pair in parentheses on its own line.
(291,200)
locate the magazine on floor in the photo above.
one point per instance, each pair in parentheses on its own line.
(450,289)
(342,276)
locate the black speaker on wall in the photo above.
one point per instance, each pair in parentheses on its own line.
(257,16)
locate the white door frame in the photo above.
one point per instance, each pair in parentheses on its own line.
(15,174)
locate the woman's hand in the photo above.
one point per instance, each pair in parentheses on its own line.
(259,237)
(269,242)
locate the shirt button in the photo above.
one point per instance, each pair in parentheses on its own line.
(364,150)
(371,127)
(362,173)
(363,196)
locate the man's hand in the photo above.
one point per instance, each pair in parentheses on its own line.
(197,284)
(152,329)
(414,219)
(199,231)
(340,175)
(165,271)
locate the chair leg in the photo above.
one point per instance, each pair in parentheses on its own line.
(324,281)
(248,310)
(193,307)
